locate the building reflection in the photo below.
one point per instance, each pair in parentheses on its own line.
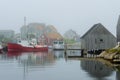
(36,59)
(96,69)
(30,58)
(117,75)
(33,61)
(58,54)
(33,58)
(117,72)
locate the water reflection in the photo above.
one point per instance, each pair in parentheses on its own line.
(36,59)
(117,72)
(73,53)
(33,59)
(12,54)
(96,69)
(36,65)
(58,54)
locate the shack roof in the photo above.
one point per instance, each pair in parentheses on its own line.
(95,27)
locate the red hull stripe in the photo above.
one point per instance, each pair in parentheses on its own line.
(18,47)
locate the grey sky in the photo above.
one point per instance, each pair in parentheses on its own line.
(79,15)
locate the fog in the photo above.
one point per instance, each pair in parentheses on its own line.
(79,15)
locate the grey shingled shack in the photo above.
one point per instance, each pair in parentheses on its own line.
(98,38)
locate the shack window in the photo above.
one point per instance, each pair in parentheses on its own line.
(101,40)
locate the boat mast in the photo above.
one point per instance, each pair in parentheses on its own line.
(25,21)
(26,27)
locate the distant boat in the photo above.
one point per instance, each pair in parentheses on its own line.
(58,45)
(26,46)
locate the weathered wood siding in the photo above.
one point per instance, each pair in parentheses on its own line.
(118,30)
(98,38)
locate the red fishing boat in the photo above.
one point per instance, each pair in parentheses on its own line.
(26,46)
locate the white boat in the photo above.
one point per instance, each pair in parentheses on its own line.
(58,45)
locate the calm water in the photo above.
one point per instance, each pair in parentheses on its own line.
(52,66)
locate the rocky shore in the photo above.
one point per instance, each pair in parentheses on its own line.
(111,54)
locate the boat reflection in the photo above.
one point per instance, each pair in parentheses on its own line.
(58,54)
(11,54)
(33,59)
(39,61)
(96,69)
(36,59)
